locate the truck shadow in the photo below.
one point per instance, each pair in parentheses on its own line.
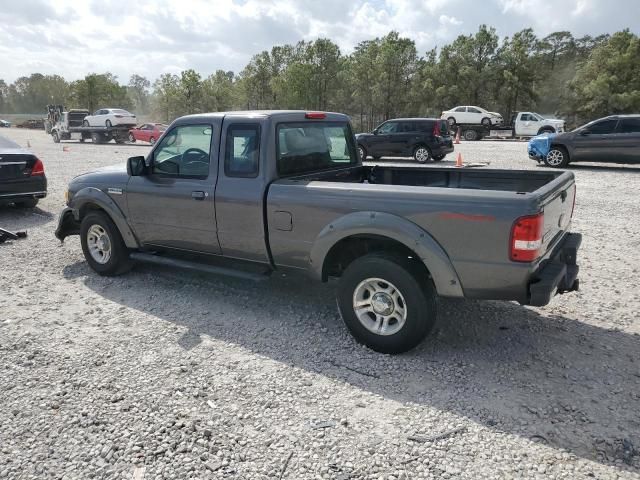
(14,218)
(551,379)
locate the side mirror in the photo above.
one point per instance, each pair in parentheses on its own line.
(584,131)
(136,166)
(375,131)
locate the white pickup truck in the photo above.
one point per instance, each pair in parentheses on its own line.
(523,124)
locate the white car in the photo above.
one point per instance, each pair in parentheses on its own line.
(472,115)
(108,117)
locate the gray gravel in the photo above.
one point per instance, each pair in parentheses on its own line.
(166,374)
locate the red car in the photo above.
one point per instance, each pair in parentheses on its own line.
(149,132)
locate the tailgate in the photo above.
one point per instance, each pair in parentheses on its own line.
(14,166)
(558,209)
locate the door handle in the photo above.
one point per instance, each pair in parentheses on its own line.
(198,195)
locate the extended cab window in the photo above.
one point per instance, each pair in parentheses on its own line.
(184,152)
(308,147)
(242,151)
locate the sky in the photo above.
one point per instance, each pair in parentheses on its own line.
(152,37)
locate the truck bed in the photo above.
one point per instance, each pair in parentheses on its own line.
(469,213)
(497,180)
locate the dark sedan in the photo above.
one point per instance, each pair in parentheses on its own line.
(613,139)
(22,179)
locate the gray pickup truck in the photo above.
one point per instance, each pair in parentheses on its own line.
(277,190)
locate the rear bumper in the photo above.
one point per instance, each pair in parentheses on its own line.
(442,149)
(558,274)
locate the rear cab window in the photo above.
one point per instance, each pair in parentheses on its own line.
(305,147)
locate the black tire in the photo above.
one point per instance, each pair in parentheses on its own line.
(30,203)
(421,154)
(152,141)
(56,137)
(82,139)
(85,123)
(108,124)
(118,262)
(542,131)
(362,152)
(132,139)
(558,157)
(470,135)
(120,141)
(486,122)
(406,278)
(451,121)
(437,158)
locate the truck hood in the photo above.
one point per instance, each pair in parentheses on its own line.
(112,174)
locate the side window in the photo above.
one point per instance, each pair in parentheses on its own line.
(630,125)
(389,127)
(242,151)
(184,152)
(473,110)
(407,127)
(461,109)
(603,127)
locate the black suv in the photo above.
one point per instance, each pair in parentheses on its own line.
(614,139)
(420,138)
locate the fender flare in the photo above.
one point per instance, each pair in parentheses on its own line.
(97,197)
(381,224)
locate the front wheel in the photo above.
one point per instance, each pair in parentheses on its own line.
(558,157)
(132,139)
(386,302)
(103,246)
(152,141)
(85,123)
(421,154)
(56,137)
(107,124)
(486,122)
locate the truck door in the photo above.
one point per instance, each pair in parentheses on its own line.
(173,205)
(240,191)
(526,124)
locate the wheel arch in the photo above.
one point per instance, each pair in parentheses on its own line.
(359,233)
(93,199)
(546,129)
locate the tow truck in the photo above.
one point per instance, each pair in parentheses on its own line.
(68,125)
(523,124)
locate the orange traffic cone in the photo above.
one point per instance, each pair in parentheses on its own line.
(65,149)
(457,141)
(459,161)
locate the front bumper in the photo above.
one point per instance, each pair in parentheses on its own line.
(68,224)
(558,274)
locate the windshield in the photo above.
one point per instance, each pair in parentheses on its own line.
(308,147)
(539,117)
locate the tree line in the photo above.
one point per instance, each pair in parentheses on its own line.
(576,78)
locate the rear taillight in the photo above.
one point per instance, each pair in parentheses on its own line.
(315,115)
(118,116)
(526,238)
(436,130)
(38,168)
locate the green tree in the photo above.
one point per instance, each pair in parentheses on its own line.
(99,91)
(609,81)
(138,90)
(165,98)
(191,91)
(218,92)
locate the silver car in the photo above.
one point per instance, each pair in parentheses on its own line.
(109,117)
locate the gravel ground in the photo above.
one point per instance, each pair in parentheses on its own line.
(167,374)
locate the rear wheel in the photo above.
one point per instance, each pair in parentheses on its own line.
(470,135)
(103,246)
(558,157)
(56,137)
(362,152)
(451,121)
(27,203)
(386,302)
(421,154)
(107,124)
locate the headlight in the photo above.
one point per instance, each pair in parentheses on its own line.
(67,196)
